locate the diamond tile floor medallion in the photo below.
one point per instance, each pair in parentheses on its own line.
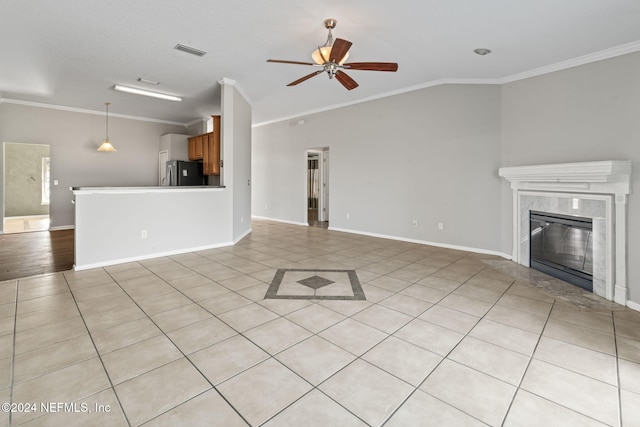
(315,284)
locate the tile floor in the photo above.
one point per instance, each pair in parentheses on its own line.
(24,224)
(443,339)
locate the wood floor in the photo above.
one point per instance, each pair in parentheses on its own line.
(313,219)
(38,252)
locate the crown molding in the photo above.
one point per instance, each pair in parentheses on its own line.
(413,88)
(196,121)
(85,111)
(227,81)
(581,60)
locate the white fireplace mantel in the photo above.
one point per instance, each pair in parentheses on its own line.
(592,189)
(608,177)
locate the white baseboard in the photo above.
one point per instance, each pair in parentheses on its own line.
(148,256)
(425,242)
(62,227)
(284,221)
(242,236)
(633,305)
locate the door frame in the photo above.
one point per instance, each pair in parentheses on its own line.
(162,166)
(4,184)
(323,178)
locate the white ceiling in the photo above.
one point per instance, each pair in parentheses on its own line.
(70,53)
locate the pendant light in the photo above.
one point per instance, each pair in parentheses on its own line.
(106,146)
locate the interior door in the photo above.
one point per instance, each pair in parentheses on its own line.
(163,157)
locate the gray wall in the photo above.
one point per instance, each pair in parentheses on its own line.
(241,164)
(73,138)
(236,151)
(586,113)
(430,155)
(23,179)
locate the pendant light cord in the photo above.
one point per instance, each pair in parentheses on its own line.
(107,132)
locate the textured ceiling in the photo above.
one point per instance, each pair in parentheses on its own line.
(70,53)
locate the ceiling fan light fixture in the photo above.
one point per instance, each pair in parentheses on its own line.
(106,146)
(332,58)
(321,55)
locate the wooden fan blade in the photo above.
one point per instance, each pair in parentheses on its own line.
(339,50)
(280,61)
(372,66)
(307,77)
(346,81)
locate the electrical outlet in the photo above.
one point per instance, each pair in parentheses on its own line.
(143,234)
(348,216)
(440,226)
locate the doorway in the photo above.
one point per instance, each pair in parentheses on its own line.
(318,187)
(26,187)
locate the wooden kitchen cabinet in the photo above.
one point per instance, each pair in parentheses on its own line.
(206,147)
(206,154)
(196,148)
(213,152)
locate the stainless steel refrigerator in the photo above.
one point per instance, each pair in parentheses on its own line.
(184,173)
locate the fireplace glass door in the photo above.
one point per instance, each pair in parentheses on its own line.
(561,245)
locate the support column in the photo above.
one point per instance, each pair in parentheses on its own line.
(620,284)
(516,227)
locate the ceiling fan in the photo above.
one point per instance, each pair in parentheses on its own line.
(331,58)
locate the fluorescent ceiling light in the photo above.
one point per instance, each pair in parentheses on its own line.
(146,93)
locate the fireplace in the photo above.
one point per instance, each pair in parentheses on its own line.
(562,246)
(596,192)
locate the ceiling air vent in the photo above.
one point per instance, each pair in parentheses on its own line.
(191,50)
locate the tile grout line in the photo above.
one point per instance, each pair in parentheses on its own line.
(615,343)
(415,388)
(237,332)
(13,353)
(540,335)
(389,335)
(445,357)
(359,357)
(524,373)
(530,357)
(213,387)
(104,368)
(273,356)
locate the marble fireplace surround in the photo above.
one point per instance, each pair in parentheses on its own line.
(596,190)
